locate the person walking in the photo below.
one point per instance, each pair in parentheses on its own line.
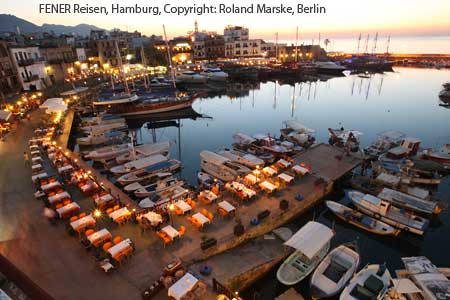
(26,158)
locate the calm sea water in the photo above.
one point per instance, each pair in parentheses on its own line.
(404,100)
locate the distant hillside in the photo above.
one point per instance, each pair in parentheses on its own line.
(11,22)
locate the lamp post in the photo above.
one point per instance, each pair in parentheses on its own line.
(171,208)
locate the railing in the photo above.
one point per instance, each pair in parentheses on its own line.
(29,61)
(31,78)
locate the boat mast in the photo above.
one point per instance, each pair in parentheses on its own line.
(296,45)
(375,40)
(119,59)
(388,44)
(144,64)
(359,44)
(276,46)
(169,57)
(366,45)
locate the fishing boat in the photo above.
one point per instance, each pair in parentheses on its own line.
(311,244)
(269,144)
(386,212)
(206,180)
(143,151)
(246,143)
(384,142)
(409,202)
(138,164)
(157,187)
(129,188)
(100,138)
(372,282)
(242,158)
(150,171)
(345,138)
(214,74)
(360,220)
(329,67)
(220,166)
(108,152)
(335,270)
(408,147)
(441,156)
(298,133)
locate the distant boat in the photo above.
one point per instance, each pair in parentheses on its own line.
(335,270)
(388,213)
(329,67)
(311,243)
(149,172)
(189,76)
(360,220)
(214,74)
(371,282)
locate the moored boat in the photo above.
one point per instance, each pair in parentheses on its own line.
(142,151)
(137,185)
(149,172)
(160,186)
(441,156)
(409,202)
(220,166)
(371,282)
(360,220)
(108,152)
(384,142)
(138,164)
(242,158)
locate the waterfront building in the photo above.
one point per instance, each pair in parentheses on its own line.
(9,82)
(60,61)
(31,67)
(303,52)
(235,33)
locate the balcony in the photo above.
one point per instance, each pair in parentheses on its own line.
(31,78)
(30,61)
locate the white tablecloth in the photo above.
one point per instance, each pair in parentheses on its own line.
(100,235)
(103,199)
(119,213)
(201,218)
(36,159)
(285,177)
(267,186)
(183,206)
(67,208)
(269,171)
(65,169)
(34,178)
(153,217)
(83,222)
(208,195)
(226,206)
(50,185)
(284,163)
(116,249)
(58,197)
(251,179)
(172,232)
(300,170)
(37,166)
(182,286)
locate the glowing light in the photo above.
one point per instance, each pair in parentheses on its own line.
(97,213)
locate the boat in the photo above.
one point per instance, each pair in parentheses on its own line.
(122,98)
(108,152)
(345,138)
(368,63)
(386,212)
(214,74)
(150,171)
(311,244)
(221,167)
(372,282)
(409,202)
(189,76)
(442,156)
(408,147)
(138,164)
(246,143)
(206,180)
(384,142)
(360,220)
(160,186)
(100,138)
(101,119)
(298,133)
(329,67)
(334,271)
(242,158)
(129,188)
(269,144)
(104,127)
(142,151)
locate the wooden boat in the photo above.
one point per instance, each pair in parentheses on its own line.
(149,172)
(441,156)
(407,147)
(345,138)
(157,187)
(137,185)
(384,142)
(360,220)
(311,243)
(335,270)
(298,133)
(409,202)
(269,144)
(386,212)
(371,282)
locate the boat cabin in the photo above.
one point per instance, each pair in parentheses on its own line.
(408,147)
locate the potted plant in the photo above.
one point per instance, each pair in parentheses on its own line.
(238,228)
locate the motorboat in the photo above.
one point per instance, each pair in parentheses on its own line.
(142,151)
(108,152)
(101,119)
(189,76)
(345,138)
(311,244)
(384,142)
(334,271)
(372,282)
(298,133)
(104,127)
(268,143)
(441,156)
(214,74)
(150,171)
(242,158)
(158,187)
(206,180)
(129,188)
(386,212)
(138,164)
(409,202)
(360,220)
(122,98)
(329,67)
(221,167)
(246,143)
(408,147)
(100,138)
(160,83)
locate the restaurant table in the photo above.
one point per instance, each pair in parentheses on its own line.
(300,170)
(183,206)
(103,199)
(209,195)
(58,197)
(34,147)
(52,155)
(99,237)
(35,152)
(265,185)
(36,160)
(251,179)
(82,223)
(285,177)
(183,286)
(51,185)
(201,218)
(36,167)
(171,232)
(119,248)
(88,186)
(36,177)
(65,169)
(241,188)
(225,205)
(269,171)
(154,218)
(283,163)
(121,212)
(67,209)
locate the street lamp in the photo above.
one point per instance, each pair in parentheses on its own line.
(171,208)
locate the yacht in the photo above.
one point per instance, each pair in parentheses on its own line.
(122,98)
(108,152)
(158,187)
(329,67)
(94,138)
(215,74)
(189,76)
(142,151)
(242,158)
(138,164)
(221,167)
(150,171)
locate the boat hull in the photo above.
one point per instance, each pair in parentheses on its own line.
(153,109)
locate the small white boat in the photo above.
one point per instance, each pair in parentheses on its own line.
(138,164)
(386,212)
(206,180)
(220,166)
(117,99)
(100,138)
(371,282)
(268,143)
(108,152)
(242,158)
(149,172)
(384,142)
(409,202)
(333,273)
(158,187)
(138,185)
(191,77)
(104,127)
(311,243)
(214,74)
(143,151)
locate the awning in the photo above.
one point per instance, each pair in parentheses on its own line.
(5,115)
(310,238)
(182,286)
(54,105)
(405,286)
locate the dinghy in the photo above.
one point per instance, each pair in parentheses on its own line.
(334,271)
(371,282)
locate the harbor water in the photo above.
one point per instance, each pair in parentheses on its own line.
(404,100)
